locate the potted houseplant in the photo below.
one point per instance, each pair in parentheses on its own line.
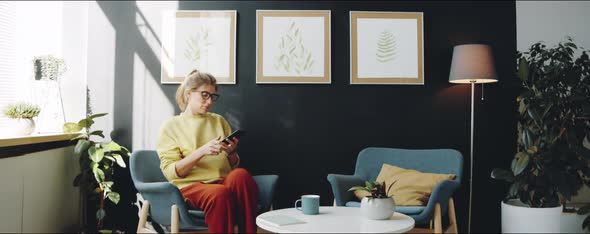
(48,70)
(552,159)
(21,116)
(98,160)
(377,205)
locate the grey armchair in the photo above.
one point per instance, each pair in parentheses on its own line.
(164,202)
(368,166)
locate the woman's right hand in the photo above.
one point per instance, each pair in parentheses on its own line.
(213,147)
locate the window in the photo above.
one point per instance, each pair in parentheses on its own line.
(27,29)
(7,55)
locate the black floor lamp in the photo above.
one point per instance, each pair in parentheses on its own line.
(472,64)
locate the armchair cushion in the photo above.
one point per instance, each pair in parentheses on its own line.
(410,187)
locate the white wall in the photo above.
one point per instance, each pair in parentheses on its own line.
(100,73)
(74,49)
(551,22)
(149,105)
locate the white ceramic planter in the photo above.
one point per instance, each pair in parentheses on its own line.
(377,208)
(20,127)
(519,218)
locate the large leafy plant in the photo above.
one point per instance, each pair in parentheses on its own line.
(98,160)
(553,152)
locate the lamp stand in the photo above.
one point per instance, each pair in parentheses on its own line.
(471,157)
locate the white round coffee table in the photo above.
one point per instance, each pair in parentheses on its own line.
(336,219)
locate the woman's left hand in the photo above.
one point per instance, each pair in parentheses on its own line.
(231,146)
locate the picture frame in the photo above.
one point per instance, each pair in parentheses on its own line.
(386,48)
(293,46)
(203,40)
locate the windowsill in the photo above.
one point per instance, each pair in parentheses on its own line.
(6,141)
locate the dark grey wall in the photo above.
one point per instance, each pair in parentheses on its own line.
(303,132)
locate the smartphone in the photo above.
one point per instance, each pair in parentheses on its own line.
(237,134)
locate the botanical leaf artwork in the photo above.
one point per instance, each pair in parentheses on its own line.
(197,45)
(292,55)
(386,47)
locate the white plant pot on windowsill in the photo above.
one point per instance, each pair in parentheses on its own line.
(377,208)
(520,218)
(20,126)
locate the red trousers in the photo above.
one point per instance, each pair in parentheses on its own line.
(233,200)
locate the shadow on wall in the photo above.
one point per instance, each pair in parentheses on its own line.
(128,22)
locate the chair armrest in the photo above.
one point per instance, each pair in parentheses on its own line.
(162,195)
(441,193)
(266,189)
(155,187)
(341,184)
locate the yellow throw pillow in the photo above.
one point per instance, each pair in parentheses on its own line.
(410,188)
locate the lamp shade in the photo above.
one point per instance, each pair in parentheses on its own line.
(472,63)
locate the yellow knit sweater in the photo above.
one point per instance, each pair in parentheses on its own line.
(184,133)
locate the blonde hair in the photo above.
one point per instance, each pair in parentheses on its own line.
(193,81)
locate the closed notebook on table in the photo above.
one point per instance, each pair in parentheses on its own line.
(280,220)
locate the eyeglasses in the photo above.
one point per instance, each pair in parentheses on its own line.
(206,95)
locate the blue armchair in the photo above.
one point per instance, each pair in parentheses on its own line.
(164,202)
(368,166)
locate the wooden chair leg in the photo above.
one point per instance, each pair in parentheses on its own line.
(175,220)
(437,218)
(453,228)
(145,208)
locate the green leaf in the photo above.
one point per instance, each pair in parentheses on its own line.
(513,191)
(523,70)
(519,163)
(81,146)
(85,123)
(98,174)
(97,115)
(526,137)
(120,160)
(369,185)
(533,114)
(108,184)
(93,165)
(357,188)
(96,154)
(502,174)
(97,133)
(71,127)
(114,197)
(100,214)
(112,146)
(81,136)
(77,180)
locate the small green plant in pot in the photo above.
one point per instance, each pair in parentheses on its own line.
(98,160)
(552,161)
(21,115)
(377,205)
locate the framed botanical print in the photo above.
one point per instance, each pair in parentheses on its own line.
(386,48)
(203,40)
(293,46)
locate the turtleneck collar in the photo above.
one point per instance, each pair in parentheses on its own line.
(188,114)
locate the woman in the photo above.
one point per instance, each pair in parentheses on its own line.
(194,158)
